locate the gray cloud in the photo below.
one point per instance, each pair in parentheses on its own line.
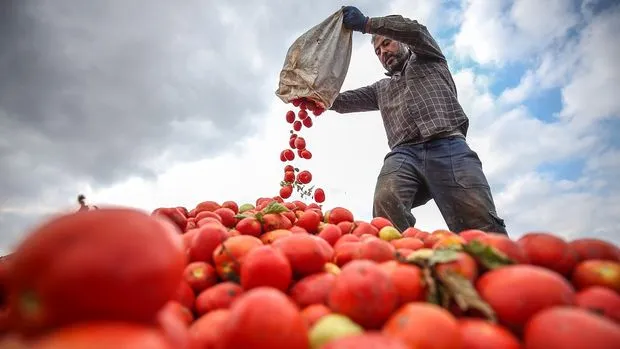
(92,92)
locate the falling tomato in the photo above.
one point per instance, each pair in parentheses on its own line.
(290,116)
(286,191)
(304,177)
(300,143)
(319,195)
(289,154)
(307,122)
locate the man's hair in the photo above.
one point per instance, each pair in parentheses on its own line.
(372,39)
(374,36)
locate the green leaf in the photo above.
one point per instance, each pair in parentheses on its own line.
(444,255)
(242,216)
(274,207)
(487,255)
(464,294)
(421,256)
(444,296)
(259,217)
(432,293)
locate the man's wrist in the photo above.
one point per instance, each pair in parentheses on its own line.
(368,26)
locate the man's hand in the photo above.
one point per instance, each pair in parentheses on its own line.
(354,19)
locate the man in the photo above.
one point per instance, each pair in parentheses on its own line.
(426,128)
(83,207)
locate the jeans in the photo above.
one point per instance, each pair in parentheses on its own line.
(445,170)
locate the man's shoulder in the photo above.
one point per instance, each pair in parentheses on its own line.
(383,81)
(429,66)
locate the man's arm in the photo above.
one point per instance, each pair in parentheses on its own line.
(407,31)
(359,100)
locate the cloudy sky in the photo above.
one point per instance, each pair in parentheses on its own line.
(154,103)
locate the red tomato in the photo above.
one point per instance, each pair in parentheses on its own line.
(319,195)
(307,122)
(67,270)
(290,116)
(304,177)
(264,318)
(289,176)
(570,328)
(289,155)
(286,191)
(424,325)
(266,266)
(481,334)
(104,336)
(220,296)
(300,143)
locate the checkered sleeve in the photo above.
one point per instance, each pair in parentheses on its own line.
(407,31)
(359,100)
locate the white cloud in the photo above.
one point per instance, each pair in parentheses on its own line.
(421,10)
(586,70)
(498,32)
(482,34)
(593,92)
(520,92)
(513,144)
(607,162)
(538,202)
(543,20)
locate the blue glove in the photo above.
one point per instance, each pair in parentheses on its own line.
(354,19)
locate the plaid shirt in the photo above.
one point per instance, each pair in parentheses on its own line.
(420,102)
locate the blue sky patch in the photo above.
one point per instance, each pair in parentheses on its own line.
(507,77)
(569,169)
(610,132)
(545,104)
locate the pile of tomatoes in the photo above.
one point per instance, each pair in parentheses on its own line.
(279,274)
(294,179)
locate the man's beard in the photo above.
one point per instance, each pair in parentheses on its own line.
(395,62)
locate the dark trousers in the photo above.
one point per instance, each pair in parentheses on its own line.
(445,170)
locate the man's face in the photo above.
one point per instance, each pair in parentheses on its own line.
(392,54)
